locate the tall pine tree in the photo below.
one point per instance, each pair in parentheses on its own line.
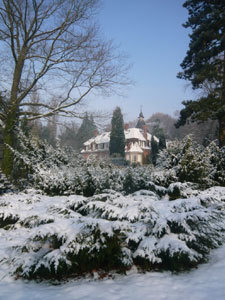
(154,151)
(117,137)
(86,131)
(204,64)
(159,133)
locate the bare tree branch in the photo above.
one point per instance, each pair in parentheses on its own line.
(55,44)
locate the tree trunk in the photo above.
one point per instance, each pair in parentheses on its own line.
(12,116)
(9,139)
(222,113)
(222,131)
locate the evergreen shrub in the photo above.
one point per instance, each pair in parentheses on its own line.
(57,237)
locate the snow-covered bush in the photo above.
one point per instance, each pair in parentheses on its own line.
(216,157)
(186,161)
(163,177)
(136,178)
(163,234)
(61,171)
(56,237)
(5,184)
(194,166)
(182,190)
(170,156)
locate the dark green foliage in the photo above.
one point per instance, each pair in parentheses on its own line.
(63,237)
(139,178)
(217,161)
(117,137)
(162,142)
(160,134)
(89,187)
(174,193)
(9,220)
(204,64)
(33,155)
(5,184)
(9,137)
(86,131)
(176,263)
(193,167)
(186,161)
(9,134)
(203,60)
(129,183)
(154,151)
(61,171)
(107,257)
(157,131)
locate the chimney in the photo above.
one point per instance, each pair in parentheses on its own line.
(95,132)
(126,126)
(145,131)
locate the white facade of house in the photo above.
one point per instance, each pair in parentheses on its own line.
(138,142)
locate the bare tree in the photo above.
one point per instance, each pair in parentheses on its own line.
(52,45)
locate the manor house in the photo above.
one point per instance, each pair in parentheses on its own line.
(138,143)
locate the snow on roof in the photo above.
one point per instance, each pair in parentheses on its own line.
(102,138)
(99,139)
(130,133)
(135,148)
(89,142)
(134,133)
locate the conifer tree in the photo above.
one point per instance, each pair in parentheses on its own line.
(204,64)
(154,151)
(162,142)
(159,133)
(86,131)
(193,166)
(117,137)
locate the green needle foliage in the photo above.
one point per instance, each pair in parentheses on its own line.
(86,131)
(117,137)
(204,63)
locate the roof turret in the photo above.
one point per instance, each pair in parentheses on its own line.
(141,121)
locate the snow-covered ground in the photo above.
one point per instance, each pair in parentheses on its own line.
(207,282)
(30,220)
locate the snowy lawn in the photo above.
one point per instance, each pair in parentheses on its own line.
(205,283)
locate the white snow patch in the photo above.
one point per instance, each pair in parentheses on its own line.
(205,283)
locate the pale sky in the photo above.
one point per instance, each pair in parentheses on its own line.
(151,33)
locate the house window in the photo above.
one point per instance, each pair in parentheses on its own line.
(135,158)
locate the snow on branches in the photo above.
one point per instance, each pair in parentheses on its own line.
(55,237)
